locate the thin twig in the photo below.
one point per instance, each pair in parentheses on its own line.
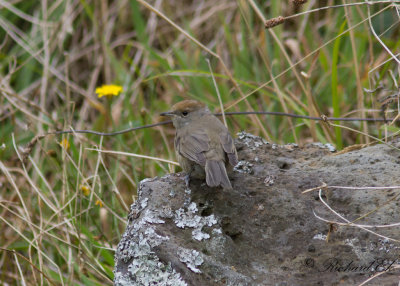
(33,142)
(356,225)
(377,274)
(325,186)
(273,113)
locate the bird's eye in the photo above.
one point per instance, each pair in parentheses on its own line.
(185,113)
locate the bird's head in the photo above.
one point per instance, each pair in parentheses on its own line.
(184,112)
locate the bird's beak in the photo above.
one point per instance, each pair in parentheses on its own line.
(168,113)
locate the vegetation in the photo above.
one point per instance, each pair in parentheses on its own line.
(63,208)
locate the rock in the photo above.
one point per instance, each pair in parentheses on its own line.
(266,231)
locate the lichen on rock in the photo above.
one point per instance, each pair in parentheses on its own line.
(250,140)
(191,258)
(189,218)
(136,250)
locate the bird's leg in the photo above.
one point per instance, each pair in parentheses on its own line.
(187,197)
(187,179)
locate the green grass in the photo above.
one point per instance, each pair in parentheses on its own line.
(51,63)
(336,96)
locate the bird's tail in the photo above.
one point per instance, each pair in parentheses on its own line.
(216,174)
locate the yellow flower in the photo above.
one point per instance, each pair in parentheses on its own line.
(64,143)
(85,190)
(109,90)
(99,203)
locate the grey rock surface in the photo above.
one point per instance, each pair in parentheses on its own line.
(266,231)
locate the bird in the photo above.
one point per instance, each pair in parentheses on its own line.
(203,144)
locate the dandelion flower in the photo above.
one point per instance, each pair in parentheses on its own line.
(65,144)
(99,203)
(109,90)
(85,190)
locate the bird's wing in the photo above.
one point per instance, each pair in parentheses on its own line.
(229,147)
(193,146)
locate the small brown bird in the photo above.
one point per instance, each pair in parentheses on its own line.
(203,144)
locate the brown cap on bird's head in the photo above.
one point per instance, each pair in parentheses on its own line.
(184,106)
(189,105)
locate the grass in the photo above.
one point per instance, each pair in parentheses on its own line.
(63,211)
